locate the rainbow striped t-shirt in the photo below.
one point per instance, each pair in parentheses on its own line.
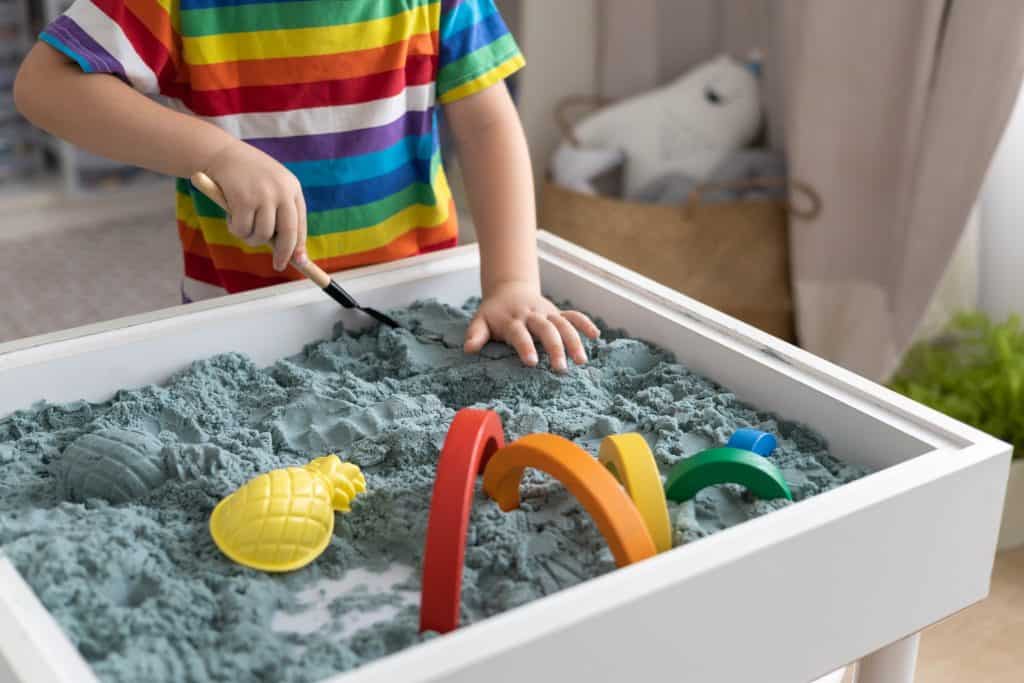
(342,92)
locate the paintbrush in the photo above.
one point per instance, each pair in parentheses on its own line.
(207,186)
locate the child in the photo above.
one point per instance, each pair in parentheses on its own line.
(315,117)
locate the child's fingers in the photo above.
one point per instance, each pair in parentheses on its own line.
(571,338)
(550,338)
(582,323)
(300,237)
(518,337)
(477,334)
(263,225)
(240,222)
(285,234)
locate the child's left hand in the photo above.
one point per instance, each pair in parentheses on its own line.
(515,313)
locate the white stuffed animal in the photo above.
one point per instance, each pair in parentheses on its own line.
(688,127)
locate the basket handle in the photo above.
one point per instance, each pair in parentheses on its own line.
(563,113)
(809,211)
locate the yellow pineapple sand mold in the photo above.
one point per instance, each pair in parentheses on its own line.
(282,520)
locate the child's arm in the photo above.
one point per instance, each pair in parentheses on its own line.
(102,114)
(499,180)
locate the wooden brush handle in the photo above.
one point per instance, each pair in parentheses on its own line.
(207,186)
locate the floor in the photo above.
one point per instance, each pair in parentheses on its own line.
(65,263)
(83,261)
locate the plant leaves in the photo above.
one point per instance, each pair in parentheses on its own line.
(973,372)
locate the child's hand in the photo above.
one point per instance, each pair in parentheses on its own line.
(265,201)
(515,313)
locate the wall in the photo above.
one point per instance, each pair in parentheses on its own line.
(559,41)
(1002,220)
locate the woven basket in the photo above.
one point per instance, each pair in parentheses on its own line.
(733,256)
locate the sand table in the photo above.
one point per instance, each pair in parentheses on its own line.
(104,506)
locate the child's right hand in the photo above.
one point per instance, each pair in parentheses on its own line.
(265,202)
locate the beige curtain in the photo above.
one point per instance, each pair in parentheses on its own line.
(893,111)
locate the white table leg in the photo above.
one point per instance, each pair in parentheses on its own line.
(894,663)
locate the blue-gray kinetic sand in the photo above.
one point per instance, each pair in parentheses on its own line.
(104,507)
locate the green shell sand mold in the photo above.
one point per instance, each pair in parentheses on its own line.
(104,506)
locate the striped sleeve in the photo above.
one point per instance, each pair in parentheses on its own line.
(477,49)
(135,40)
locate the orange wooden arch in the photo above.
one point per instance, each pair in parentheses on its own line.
(611,508)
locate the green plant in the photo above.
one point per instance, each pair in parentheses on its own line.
(973,372)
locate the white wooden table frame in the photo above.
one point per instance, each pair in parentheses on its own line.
(849,575)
